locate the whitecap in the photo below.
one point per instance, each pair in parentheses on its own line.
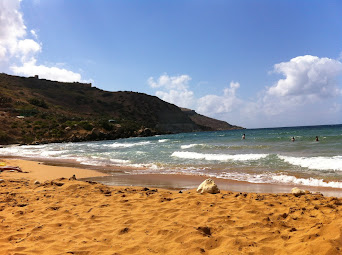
(120,161)
(127,145)
(189,146)
(315,163)
(218,157)
(163,140)
(307,182)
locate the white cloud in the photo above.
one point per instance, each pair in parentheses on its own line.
(170,82)
(307,77)
(18,54)
(34,34)
(308,95)
(173,89)
(180,98)
(51,73)
(213,104)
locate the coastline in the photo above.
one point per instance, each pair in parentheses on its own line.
(44,170)
(93,218)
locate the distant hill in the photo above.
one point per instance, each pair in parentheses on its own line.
(207,123)
(34,110)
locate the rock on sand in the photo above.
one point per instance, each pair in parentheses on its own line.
(208,186)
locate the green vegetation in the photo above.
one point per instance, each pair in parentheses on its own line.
(86,125)
(38,102)
(5,138)
(36,110)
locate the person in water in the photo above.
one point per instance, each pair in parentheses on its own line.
(243,136)
(293,139)
(317,139)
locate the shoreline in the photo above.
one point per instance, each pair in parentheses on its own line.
(44,170)
(71,216)
(63,215)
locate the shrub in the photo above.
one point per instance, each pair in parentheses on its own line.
(86,125)
(4,138)
(27,111)
(38,102)
(106,125)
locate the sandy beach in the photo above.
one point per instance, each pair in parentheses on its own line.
(62,216)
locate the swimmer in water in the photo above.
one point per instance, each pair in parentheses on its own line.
(243,136)
(293,139)
(317,139)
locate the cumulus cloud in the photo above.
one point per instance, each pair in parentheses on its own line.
(52,73)
(308,95)
(170,82)
(214,104)
(18,52)
(173,89)
(308,77)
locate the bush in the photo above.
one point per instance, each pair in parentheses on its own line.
(106,125)
(38,102)
(4,138)
(27,111)
(5,101)
(86,125)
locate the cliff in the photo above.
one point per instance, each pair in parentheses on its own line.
(35,110)
(207,123)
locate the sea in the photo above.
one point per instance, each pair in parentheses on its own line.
(266,156)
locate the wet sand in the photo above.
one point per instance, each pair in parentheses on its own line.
(65,216)
(184,182)
(118,176)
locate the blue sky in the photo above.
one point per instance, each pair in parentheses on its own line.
(250,63)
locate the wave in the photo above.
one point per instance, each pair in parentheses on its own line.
(163,140)
(189,146)
(217,157)
(246,177)
(30,151)
(315,163)
(307,182)
(127,145)
(120,161)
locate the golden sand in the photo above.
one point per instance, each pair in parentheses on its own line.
(75,217)
(41,172)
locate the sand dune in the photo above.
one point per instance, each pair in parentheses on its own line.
(74,217)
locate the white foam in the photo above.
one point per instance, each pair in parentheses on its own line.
(48,154)
(145,166)
(120,161)
(85,161)
(8,151)
(218,157)
(251,178)
(308,182)
(189,146)
(163,140)
(127,145)
(30,151)
(315,163)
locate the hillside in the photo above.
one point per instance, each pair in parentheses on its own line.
(34,110)
(208,123)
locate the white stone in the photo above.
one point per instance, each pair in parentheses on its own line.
(208,186)
(298,192)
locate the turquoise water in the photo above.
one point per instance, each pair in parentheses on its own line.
(265,156)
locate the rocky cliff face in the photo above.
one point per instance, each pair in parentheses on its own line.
(207,123)
(38,110)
